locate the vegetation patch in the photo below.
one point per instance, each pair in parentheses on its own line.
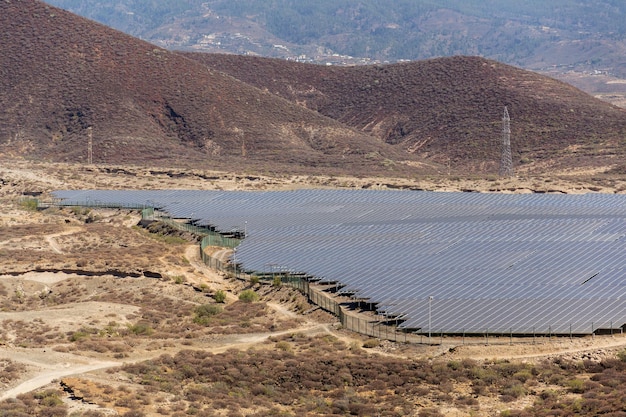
(305,375)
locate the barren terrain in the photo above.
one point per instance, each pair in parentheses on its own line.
(100,317)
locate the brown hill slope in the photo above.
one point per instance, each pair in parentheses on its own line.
(61,74)
(449,108)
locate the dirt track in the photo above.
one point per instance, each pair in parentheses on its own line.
(49,365)
(46,375)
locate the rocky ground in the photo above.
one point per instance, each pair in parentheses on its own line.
(87,297)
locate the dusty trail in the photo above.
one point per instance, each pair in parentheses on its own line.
(280,309)
(56,365)
(245,341)
(48,365)
(46,377)
(51,238)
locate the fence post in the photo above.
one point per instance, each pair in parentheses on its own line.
(395,331)
(386,328)
(550,333)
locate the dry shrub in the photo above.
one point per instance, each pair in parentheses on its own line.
(10,371)
(371,343)
(46,403)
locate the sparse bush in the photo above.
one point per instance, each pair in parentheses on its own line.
(513,392)
(141,329)
(78,335)
(576,386)
(248,296)
(80,211)
(371,343)
(523,375)
(204,313)
(277,281)
(29,204)
(219,296)
(284,346)
(430,412)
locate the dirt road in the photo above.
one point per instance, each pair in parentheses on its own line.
(49,365)
(48,376)
(46,366)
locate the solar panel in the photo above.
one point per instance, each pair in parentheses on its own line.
(492,262)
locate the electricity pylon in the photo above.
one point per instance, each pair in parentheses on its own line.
(90,147)
(506,163)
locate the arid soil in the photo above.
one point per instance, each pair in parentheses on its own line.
(100,308)
(18,176)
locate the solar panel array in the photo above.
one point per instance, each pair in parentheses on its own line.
(532,263)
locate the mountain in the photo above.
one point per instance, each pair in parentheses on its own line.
(62,74)
(448,110)
(534,34)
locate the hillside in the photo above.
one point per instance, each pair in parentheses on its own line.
(533,34)
(62,74)
(448,109)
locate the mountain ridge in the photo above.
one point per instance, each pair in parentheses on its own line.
(535,34)
(63,74)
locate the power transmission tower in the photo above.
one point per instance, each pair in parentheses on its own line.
(506,163)
(90,147)
(17,134)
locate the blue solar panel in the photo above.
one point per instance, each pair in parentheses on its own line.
(497,262)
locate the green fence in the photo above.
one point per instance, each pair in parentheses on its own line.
(209,237)
(147,213)
(217,239)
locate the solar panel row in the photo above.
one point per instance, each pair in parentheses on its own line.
(492,262)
